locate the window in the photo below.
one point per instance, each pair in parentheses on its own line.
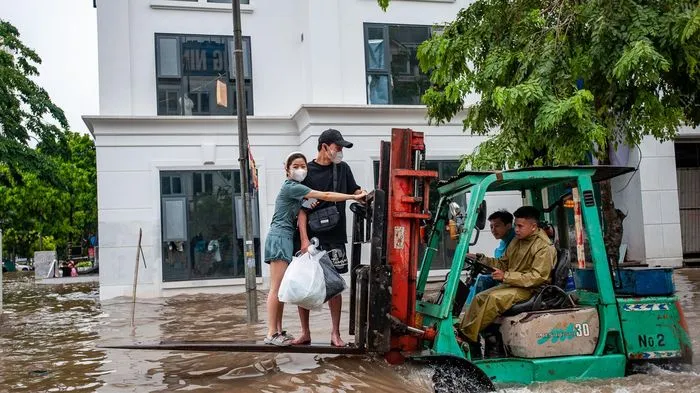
(202,225)
(187,68)
(393,74)
(227,1)
(687,155)
(445,169)
(216,1)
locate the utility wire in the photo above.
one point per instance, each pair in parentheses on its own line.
(633,173)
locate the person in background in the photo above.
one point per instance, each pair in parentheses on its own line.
(501,223)
(73,269)
(279,245)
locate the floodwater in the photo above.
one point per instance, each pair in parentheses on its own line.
(49,338)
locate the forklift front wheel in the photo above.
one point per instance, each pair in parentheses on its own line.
(394,357)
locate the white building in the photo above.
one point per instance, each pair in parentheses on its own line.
(167,155)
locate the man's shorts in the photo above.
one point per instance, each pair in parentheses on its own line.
(337,255)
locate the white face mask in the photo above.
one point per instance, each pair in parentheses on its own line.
(299,175)
(337,157)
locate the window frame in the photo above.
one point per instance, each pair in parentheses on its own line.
(229,69)
(246,2)
(386,71)
(188,195)
(684,152)
(224,1)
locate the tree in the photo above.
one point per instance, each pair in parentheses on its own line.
(28,117)
(26,112)
(30,210)
(65,211)
(559,80)
(77,178)
(79,174)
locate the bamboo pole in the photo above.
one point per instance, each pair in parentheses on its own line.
(136,279)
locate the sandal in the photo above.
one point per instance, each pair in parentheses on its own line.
(277,339)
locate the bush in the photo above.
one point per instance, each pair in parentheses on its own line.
(83,264)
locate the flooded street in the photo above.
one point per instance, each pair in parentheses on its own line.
(49,337)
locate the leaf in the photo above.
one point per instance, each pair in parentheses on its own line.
(693,25)
(384,4)
(640,63)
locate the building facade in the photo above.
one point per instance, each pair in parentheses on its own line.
(167,154)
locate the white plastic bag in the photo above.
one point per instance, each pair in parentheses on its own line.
(304,283)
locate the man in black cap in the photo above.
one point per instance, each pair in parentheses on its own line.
(320,177)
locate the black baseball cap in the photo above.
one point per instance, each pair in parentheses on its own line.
(333,136)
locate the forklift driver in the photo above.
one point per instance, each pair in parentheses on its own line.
(524,268)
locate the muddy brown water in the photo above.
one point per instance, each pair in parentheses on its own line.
(49,337)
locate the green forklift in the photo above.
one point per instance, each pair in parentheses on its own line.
(616,317)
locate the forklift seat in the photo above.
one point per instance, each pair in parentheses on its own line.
(552,296)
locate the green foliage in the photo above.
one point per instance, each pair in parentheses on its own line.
(48,193)
(42,244)
(66,212)
(26,112)
(637,63)
(83,264)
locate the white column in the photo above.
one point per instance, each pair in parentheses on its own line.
(659,191)
(324,51)
(114,57)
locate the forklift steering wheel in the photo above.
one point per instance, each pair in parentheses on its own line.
(478,267)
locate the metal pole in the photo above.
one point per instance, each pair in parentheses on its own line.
(578,224)
(249,248)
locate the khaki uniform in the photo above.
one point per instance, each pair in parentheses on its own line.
(527,264)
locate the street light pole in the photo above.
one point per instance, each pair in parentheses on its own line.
(249,248)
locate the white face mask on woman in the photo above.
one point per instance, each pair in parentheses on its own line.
(299,175)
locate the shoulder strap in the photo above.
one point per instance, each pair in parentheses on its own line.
(335,178)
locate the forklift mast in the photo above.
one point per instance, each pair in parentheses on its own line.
(385,310)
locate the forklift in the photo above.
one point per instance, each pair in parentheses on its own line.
(599,330)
